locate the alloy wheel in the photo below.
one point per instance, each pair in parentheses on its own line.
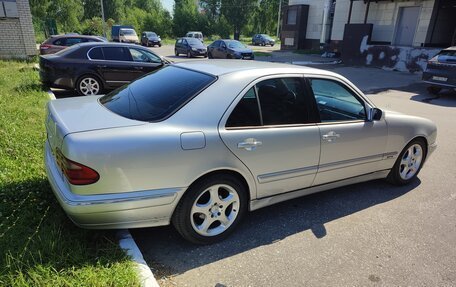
(89,86)
(411,162)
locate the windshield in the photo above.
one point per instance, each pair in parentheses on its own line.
(236,45)
(158,95)
(129,32)
(194,41)
(151,34)
(266,37)
(447,56)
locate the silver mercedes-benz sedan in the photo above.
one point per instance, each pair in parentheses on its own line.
(199,144)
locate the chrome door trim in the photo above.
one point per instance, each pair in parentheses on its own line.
(350,162)
(285,174)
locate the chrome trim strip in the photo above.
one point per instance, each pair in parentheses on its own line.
(118,81)
(266,201)
(343,163)
(274,176)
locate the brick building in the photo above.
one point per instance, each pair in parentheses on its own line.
(17,37)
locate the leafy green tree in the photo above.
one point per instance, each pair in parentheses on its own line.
(185,17)
(237,13)
(67,13)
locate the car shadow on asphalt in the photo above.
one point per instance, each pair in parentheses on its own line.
(446,98)
(164,249)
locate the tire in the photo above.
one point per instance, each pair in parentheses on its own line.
(209,55)
(189,54)
(206,204)
(409,163)
(159,45)
(434,90)
(176,53)
(89,85)
(229,56)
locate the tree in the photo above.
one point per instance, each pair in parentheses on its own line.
(185,16)
(237,12)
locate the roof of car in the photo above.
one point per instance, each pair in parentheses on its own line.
(108,44)
(221,67)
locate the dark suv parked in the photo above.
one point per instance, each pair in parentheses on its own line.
(441,71)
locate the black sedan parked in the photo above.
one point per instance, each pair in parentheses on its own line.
(190,46)
(90,68)
(229,49)
(441,71)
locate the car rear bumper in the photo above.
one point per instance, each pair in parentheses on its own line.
(444,76)
(112,211)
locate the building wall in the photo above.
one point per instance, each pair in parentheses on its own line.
(17,37)
(384,16)
(315,20)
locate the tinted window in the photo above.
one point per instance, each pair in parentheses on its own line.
(336,102)
(116,54)
(157,95)
(282,102)
(59,42)
(246,113)
(96,54)
(72,41)
(193,41)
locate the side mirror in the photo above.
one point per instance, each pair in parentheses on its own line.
(375,114)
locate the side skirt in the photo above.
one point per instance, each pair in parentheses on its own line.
(263,202)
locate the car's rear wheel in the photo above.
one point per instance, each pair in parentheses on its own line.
(434,90)
(409,163)
(211,209)
(89,85)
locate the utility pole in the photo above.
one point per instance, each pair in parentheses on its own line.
(278,18)
(103,18)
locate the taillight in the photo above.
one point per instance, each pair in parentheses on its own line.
(45,46)
(76,173)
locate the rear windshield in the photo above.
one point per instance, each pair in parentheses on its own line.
(158,95)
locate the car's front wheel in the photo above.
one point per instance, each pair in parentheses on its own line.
(88,85)
(189,54)
(211,209)
(209,55)
(176,53)
(409,163)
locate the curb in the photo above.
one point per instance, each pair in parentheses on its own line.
(128,244)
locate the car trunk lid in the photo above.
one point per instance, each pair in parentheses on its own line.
(80,114)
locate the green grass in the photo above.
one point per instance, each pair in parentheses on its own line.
(39,245)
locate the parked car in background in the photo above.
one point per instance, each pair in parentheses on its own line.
(152,153)
(150,39)
(229,49)
(440,72)
(60,42)
(124,34)
(191,47)
(262,40)
(197,35)
(91,68)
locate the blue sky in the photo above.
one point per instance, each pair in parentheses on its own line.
(168,5)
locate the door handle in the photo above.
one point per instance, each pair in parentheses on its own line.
(249,144)
(330,136)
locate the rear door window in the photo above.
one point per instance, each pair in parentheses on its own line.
(72,41)
(116,54)
(158,95)
(96,54)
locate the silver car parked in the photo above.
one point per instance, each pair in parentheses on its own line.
(215,139)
